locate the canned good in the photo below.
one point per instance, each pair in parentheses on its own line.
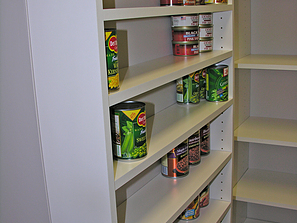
(205,31)
(129,130)
(185,49)
(209,1)
(217,83)
(204,197)
(205,45)
(200,2)
(221,1)
(192,211)
(176,163)
(202,82)
(205,19)
(112,59)
(205,140)
(185,34)
(171,2)
(184,20)
(187,89)
(189,2)
(194,148)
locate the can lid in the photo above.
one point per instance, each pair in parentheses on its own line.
(184,28)
(128,105)
(218,66)
(205,38)
(186,42)
(109,29)
(188,15)
(205,25)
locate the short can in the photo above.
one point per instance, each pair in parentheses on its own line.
(202,82)
(200,2)
(204,197)
(189,2)
(176,163)
(194,148)
(185,49)
(192,211)
(112,59)
(185,34)
(209,1)
(187,89)
(205,44)
(171,2)
(221,1)
(206,31)
(205,140)
(185,20)
(128,121)
(205,19)
(217,83)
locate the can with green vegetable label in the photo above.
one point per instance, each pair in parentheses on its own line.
(128,121)
(187,89)
(217,83)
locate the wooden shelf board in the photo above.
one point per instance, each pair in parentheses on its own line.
(140,78)
(171,196)
(269,188)
(146,12)
(267,62)
(167,129)
(272,131)
(214,212)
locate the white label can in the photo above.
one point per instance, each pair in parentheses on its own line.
(185,20)
(206,44)
(205,31)
(205,19)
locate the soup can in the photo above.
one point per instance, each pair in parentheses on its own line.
(204,197)
(189,2)
(202,82)
(185,20)
(217,83)
(176,163)
(205,140)
(205,19)
(192,211)
(128,121)
(221,1)
(205,31)
(200,2)
(194,148)
(185,49)
(185,34)
(112,59)
(205,45)
(171,2)
(187,89)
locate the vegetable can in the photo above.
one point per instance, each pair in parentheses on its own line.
(187,89)
(192,211)
(128,121)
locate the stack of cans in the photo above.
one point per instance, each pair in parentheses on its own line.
(205,32)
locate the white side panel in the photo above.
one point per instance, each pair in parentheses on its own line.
(73,109)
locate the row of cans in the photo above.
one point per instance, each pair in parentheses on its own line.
(190,2)
(210,83)
(177,162)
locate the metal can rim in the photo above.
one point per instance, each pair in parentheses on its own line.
(218,66)
(184,28)
(205,38)
(186,42)
(123,105)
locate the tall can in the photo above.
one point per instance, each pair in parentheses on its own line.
(217,83)
(192,211)
(176,163)
(187,89)
(194,148)
(204,197)
(205,140)
(128,121)
(200,2)
(202,82)
(171,2)
(111,46)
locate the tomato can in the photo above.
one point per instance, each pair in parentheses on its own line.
(189,2)
(171,2)
(205,31)
(185,34)
(176,163)
(128,123)
(112,59)
(217,83)
(187,89)
(186,49)
(205,140)
(205,19)
(194,148)
(185,20)
(202,82)
(200,2)
(205,45)
(192,211)
(204,197)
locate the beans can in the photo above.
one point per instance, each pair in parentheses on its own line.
(176,163)
(192,211)
(185,34)
(187,89)
(200,2)
(189,2)
(112,59)
(205,45)
(128,121)
(202,82)
(184,20)
(171,2)
(205,140)
(205,31)
(185,49)
(205,19)
(194,148)
(217,83)
(204,197)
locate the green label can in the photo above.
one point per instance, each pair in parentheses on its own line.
(217,83)
(187,89)
(129,130)
(202,82)
(112,59)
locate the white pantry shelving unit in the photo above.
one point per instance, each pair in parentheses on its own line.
(265,112)
(73,176)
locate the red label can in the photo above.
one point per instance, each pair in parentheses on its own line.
(194,148)
(171,2)
(185,34)
(188,49)
(204,197)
